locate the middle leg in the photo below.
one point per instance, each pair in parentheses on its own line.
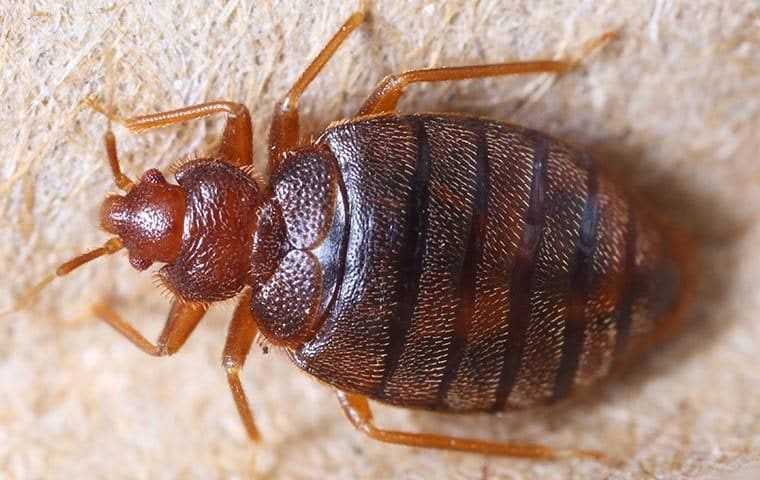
(240,335)
(284,130)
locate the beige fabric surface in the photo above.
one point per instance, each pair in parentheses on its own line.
(673,104)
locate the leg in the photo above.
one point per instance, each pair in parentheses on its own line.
(283,132)
(182,320)
(237,139)
(121,180)
(387,94)
(240,337)
(356,408)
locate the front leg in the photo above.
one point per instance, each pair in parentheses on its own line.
(182,320)
(236,147)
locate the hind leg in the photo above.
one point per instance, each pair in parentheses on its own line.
(358,412)
(391,88)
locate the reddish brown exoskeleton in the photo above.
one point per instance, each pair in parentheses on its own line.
(430,261)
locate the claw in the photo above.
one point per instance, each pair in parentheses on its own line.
(93,103)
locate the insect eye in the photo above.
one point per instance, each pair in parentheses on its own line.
(152,176)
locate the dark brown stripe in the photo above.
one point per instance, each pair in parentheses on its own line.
(522,272)
(579,289)
(472,257)
(343,241)
(628,288)
(410,260)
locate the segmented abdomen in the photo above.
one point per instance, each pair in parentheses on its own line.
(487,266)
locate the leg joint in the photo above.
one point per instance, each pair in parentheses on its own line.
(231,366)
(395,82)
(164,350)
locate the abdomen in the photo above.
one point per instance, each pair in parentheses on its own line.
(488,266)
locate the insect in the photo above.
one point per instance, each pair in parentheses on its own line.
(430,261)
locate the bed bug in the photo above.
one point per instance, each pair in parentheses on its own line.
(431,261)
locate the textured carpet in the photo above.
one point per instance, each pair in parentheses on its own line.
(673,106)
